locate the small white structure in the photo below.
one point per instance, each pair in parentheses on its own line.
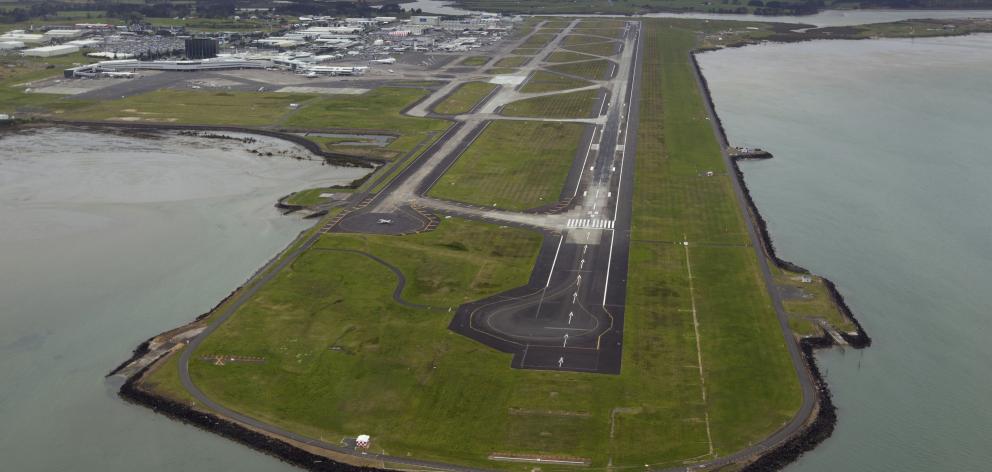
(10,45)
(63,33)
(49,51)
(20,35)
(85,43)
(362,441)
(425,20)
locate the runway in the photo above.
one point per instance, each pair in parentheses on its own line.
(570,314)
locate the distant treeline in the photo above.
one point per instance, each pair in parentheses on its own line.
(771,7)
(919,4)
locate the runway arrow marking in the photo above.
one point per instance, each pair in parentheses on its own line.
(570,315)
(582,263)
(578,280)
(561,360)
(574,296)
(565,343)
(584,248)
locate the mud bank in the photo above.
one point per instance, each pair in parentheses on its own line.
(312,147)
(822,424)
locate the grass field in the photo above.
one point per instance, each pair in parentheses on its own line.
(195,107)
(600,23)
(543,81)
(464,98)
(575,39)
(312,196)
(512,61)
(751,386)
(474,61)
(526,51)
(16,71)
(810,302)
(608,48)
(557,24)
(341,358)
(537,41)
(378,109)
(564,105)
(595,70)
(501,71)
(513,165)
(568,56)
(607,33)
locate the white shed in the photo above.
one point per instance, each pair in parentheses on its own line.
(362,441)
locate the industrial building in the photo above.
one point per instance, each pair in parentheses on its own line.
(51,51)
(10,45)
(201,48)
(63,33)
(26,38)
(130,65)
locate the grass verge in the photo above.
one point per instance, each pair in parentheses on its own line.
(594,70)
(514,165)
(542,81)
(562,105)
(464,98)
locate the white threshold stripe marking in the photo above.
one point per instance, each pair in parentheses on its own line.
(552,271)
(589,223)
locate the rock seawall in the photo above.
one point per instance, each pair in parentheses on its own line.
(822,424)
(281,450)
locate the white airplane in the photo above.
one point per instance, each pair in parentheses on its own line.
(383,221)
(388,60)
(311,75)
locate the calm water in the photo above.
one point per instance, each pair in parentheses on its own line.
(881,182)
(104,241)
(839,17)
(823,18)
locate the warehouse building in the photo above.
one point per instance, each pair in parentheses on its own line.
(51,51)
(63,33)
(20,35)
(11,45)
(201,48)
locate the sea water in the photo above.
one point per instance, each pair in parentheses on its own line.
(105,241)
(881,182)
